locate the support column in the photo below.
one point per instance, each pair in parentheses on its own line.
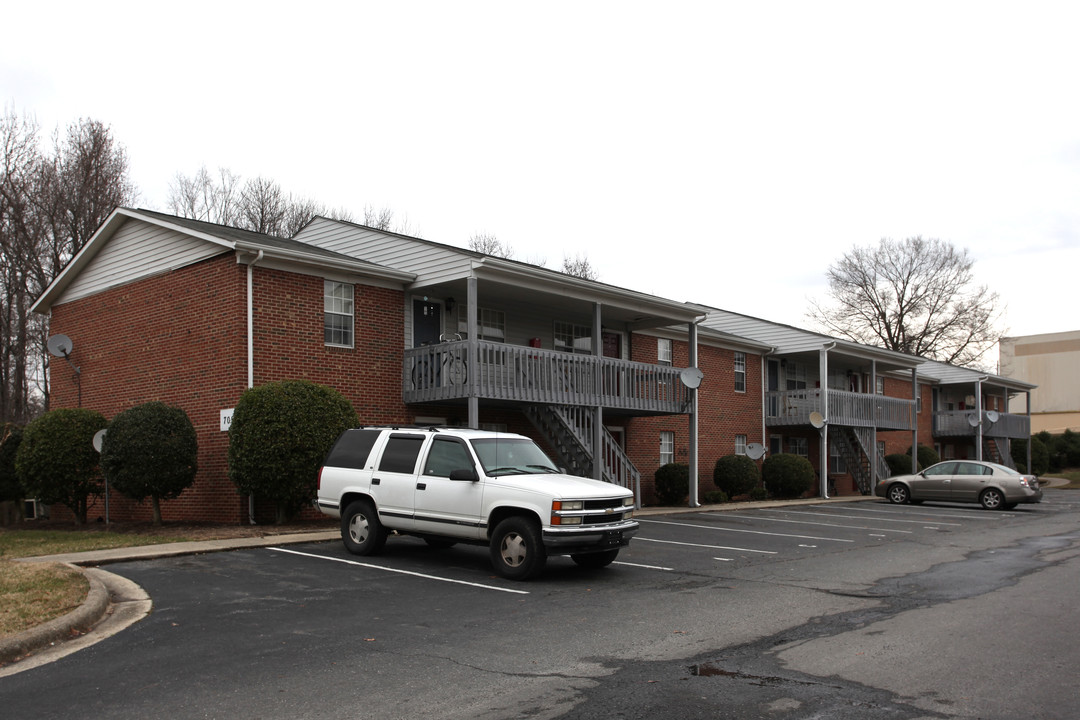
(979,415)
(872,450)
(823,431)
(598,417)
(914,421)
(472,303)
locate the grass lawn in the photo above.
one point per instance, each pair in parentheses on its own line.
(33,543)
(33,593)
(1073,476)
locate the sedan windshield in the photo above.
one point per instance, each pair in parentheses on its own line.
(511,456)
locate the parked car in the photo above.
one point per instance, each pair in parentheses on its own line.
(994,486)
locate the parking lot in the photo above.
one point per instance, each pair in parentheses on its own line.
(751,612)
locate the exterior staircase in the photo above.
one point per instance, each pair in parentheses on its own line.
(997,450)
(857,448)
(569,430)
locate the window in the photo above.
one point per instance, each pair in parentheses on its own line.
(795,376)
(445,456)
(776,444)
(490,324)
(401,453)
(740,444)
(837,464)
(798,446)
(879,384)
(663,351)
(573,338)
(667,448)
(337,314)
(740,372)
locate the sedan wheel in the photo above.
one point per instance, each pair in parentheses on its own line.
(992,499)
(898,494)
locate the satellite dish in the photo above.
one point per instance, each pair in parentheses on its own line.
(973,420)
(99,437)
(59,345)
(817,420)
(992,416)
(691,377)
(755,451)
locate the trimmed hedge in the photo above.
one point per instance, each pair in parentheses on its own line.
(57,462)
(280,435)
(672,483)
(787,475)
(926,456)
(899,464)
(736,475)
(150,450)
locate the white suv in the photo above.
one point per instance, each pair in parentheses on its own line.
(450,485)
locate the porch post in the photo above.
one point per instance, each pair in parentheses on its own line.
(692,352)
(598,420)
(979,415)
(872,450)
(1027,397)
(914,420)
(823,431)
(472,302)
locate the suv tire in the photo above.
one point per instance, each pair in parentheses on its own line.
(361,530)
(517,548)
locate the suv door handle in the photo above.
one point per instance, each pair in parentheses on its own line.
(375,481)
(421,486)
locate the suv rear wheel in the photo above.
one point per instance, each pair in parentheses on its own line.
(361,530)
(517,548)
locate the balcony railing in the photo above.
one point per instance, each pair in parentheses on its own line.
(793,407)
(964,423)
(438,373)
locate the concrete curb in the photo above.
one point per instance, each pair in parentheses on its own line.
(79,620)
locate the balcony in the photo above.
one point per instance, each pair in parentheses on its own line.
(793,407)
(515,373)
(964,423)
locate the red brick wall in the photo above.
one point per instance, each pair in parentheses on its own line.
(723,413)
(181,338)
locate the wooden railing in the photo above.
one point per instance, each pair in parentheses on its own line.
(435,373)
(958,423)
(793,407)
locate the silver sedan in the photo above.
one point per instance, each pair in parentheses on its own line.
(994,486)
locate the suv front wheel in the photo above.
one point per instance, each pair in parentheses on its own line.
(517,548)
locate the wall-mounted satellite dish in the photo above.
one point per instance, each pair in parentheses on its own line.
(59,346)
(755,451)
(99,437)
(817,420)
(992,416)
(973,420)
(691,377)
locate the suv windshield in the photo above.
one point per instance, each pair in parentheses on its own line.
(511,456)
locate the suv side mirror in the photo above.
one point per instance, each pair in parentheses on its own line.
(466,474)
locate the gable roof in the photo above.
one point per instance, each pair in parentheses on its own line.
(220,237)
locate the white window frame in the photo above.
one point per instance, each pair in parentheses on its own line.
(879,381)
(740,372)
(663,351)
(799,446)
(490,324)
(740,444)
(837,464)
(569,337)
(339,304)
(667,447)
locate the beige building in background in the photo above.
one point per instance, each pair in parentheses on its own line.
(1051,361)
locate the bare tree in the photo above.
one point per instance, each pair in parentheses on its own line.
(201,197)
(490,245)
(916,296)
(579,266)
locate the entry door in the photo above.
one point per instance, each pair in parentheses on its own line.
(427,322)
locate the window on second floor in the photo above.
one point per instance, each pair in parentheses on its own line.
(573,338)
(740,444)
(338,320)
(663,351)
(879,383)
(490,324)
(740,372)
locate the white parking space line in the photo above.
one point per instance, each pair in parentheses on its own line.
(836,525)
(400,572)
(713,547)
(975,515)
(647,567)
(751,532)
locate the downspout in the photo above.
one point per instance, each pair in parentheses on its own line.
(251,355)
(692,352)
(979,415)
(823,460)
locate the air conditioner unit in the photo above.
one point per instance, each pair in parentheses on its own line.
(32,509)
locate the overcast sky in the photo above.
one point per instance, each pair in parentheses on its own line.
(717,152)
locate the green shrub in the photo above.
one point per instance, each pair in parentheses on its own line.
(787,475)
(1040,455)
(279,436)
(759,493)
(715,497)
(10,487)
(672,483)
(898,464)
(926,457)
(56,461)
(736,475)
(150,450)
